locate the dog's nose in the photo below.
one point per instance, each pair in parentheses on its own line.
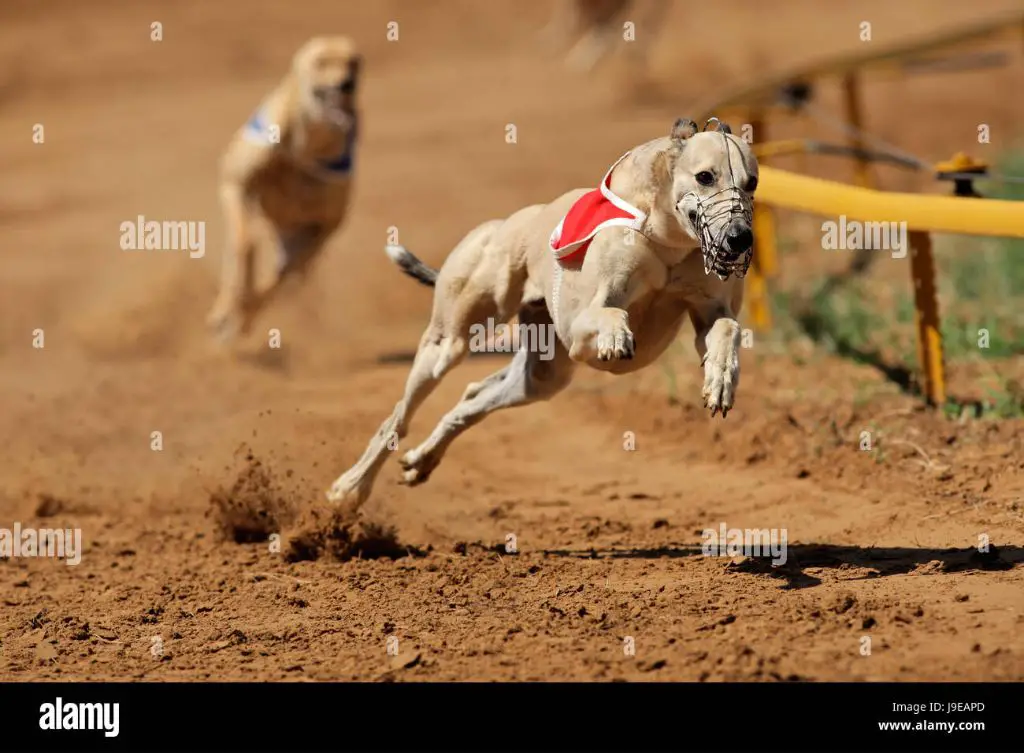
(740,238)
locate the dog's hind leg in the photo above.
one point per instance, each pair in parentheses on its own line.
(436,356)
(534,374)
(602,33)
(297,252)
(459,303)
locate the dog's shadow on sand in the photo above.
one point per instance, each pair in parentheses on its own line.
(408,356)
(276,360)
(879,561)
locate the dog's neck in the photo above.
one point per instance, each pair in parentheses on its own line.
(644,179)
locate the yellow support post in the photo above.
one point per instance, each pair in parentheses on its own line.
(765,263)
(756,294)
(929,335)
(766,253)
(851,97)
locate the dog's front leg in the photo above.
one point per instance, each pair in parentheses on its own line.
(601,330)
(718,344)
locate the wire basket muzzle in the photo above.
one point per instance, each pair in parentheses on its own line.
(716,214)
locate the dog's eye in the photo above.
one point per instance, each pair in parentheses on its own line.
(751,184)
(705,178)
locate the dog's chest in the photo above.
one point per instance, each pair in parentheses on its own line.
(654,311)
(290,194)
(688,281)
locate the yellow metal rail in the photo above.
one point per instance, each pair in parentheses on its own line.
(938,214)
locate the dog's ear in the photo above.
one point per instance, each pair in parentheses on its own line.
(718,125)
(683,129)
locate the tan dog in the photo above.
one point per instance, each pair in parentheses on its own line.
(594,27)
(614,281)
(290,167)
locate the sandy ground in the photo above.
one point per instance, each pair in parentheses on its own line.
(882,546)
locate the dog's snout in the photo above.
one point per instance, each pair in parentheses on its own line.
(334,92)
(740,238)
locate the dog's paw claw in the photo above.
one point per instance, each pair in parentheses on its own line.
(616,345)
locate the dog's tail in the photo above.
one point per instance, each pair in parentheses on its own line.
(412,266)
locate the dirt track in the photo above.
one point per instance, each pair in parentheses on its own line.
(608,539)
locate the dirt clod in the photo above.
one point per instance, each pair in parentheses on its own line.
(256,505)
(48,506)
(339,533)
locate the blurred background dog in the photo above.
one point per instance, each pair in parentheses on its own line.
(588,31)
(289,167)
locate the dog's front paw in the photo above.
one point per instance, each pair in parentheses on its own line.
(721,377)
(615,340)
